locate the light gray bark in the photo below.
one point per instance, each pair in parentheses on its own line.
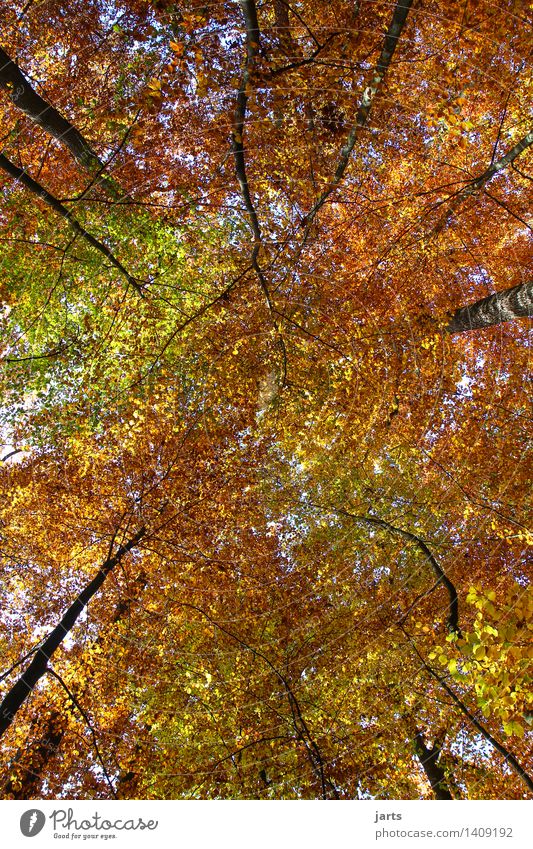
(516,302)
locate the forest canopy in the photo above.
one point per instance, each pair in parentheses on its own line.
(265,293)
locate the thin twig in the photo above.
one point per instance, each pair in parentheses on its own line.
(74,700)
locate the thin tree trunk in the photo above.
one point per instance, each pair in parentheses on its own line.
(493,169)
(24,97)
(392,36)
(38,667)
(27,768)
(516,302)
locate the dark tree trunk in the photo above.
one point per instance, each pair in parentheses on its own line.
(434,771)
(38,667)
(516,302)
(24,97)
(44,114)
(28,768)
(30,762)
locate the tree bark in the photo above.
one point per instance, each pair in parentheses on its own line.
(434,771)
(25,684)
(31,760)
(516,302)
(24,97)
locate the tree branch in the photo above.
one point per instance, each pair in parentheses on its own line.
(442,578)
(478,182)
(75,702)
(252,49)
(26,768)
(14,451)
(390,44)
(22,177)
(509,757)
(24,97)
(300,725)
(25,685)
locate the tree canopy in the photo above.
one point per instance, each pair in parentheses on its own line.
(265,280)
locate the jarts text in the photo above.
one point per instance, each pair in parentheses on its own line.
(381,817)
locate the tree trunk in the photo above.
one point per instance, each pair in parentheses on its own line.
(392,37)
(479,182)
(24,685)
(516,302)
(434,771)
(24,97)
(31,760)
